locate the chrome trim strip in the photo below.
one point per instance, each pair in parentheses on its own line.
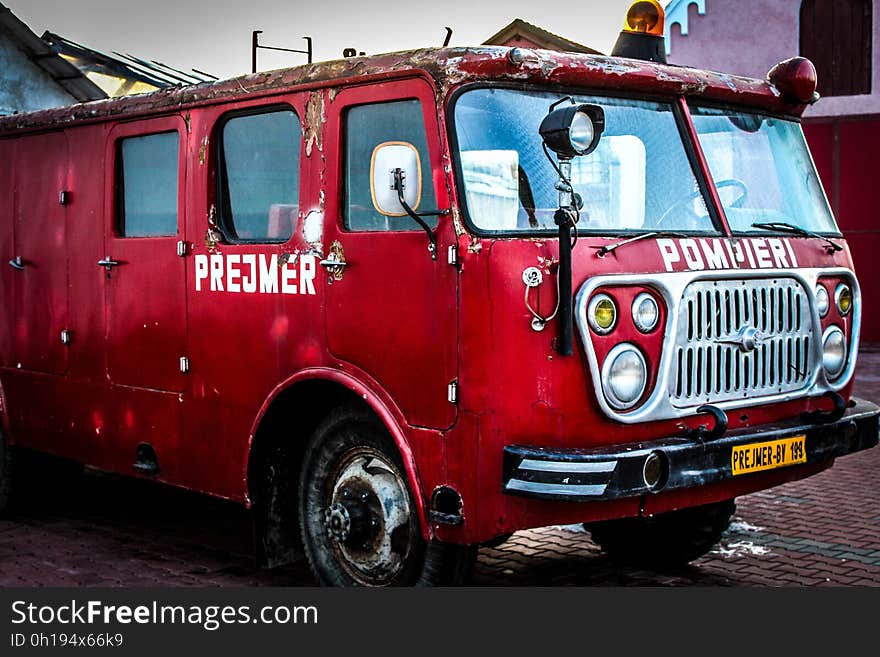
(591,490)
(671,286)
(582,467)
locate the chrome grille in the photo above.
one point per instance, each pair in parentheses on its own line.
(741,339)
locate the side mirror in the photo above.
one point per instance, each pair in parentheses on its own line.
(387,158)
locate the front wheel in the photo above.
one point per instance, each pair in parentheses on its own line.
(357,516)
(666,540)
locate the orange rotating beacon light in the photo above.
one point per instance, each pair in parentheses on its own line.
(642,34)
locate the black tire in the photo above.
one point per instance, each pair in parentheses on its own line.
(666,540)
(358,517)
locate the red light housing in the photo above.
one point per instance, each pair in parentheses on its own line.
(796,80)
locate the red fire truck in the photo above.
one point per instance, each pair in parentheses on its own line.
(402,306)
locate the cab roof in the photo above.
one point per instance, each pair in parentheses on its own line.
(449,68)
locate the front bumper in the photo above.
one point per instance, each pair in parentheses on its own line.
(616,472)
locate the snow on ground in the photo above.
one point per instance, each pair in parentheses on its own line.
(739,548)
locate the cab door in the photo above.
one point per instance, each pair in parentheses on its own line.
(392,310)
(143,270)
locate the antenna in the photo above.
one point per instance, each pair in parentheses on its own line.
(448,36)
(255,45)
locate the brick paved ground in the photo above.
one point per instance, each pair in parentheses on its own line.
(112,531)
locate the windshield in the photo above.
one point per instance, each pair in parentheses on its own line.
(763,170)
(638,179)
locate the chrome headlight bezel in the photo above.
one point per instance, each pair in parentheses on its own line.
(834,331)
(608,365)
(637,302)
(838,292)
(591,314)
(823,301)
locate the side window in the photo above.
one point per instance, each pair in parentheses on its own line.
(146,186)
(367,126)
(259,176)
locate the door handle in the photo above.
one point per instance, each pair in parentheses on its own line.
(334,263)
(330,262)
(108,263)
(16,263)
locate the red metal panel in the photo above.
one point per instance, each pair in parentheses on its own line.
(40,306)
(146,311)
(7,244)
(394,313)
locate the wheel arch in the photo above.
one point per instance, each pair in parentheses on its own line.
(305,399)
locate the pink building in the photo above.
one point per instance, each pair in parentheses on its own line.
(748,37)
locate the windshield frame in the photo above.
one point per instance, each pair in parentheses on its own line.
(681,123)
(759,232)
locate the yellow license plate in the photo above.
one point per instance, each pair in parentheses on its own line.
(767,456)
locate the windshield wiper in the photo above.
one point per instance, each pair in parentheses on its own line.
(602,251)
(783,227)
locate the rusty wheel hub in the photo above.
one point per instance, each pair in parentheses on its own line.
(368,517)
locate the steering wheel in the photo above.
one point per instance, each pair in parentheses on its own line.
(694,218)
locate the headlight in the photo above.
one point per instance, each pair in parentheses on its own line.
(602,314)
(833,352)
(821,300)
(624,376)
(645,312)
(843,299)
(573,130)
(581,132)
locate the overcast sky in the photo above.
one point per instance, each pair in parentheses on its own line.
(214,36)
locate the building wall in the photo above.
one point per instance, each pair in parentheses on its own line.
(25,87)
(745,37)
(748,37)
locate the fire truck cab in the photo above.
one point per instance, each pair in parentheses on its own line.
(406,305)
